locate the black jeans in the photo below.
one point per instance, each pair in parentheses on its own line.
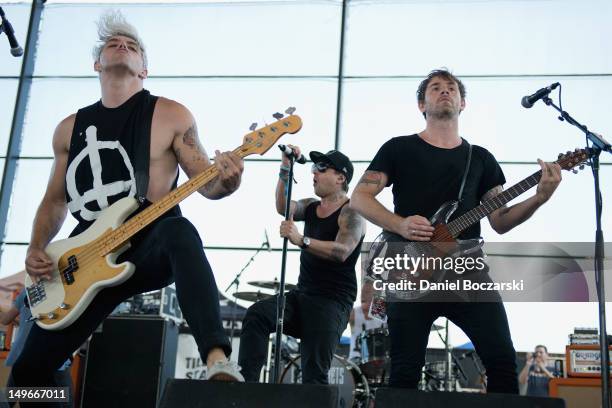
(318,321)
(169,250)
(484,323)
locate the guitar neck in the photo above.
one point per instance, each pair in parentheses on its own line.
(120,236)
(460,224)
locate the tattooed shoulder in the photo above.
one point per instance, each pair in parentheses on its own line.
(190,137)
(371,177)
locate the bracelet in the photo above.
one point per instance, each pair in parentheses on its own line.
(284,177)
(284,168)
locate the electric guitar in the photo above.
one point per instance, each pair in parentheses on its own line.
(444,243)
(85,263)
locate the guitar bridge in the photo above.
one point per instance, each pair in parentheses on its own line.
(36,293)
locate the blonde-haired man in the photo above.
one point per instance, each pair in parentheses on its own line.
(129,143)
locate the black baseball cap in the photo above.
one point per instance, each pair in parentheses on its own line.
(337,160)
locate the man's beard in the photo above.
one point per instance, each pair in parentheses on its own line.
(446,113)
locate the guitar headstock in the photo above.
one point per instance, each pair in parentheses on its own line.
(569,160)
(261,140)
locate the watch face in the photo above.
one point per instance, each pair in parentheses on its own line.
(306,241)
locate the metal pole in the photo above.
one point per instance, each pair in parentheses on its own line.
(21,103)
(280,304)
(340,75)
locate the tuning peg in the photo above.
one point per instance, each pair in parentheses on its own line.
(290,110)
(253,126)
(581,167)
(568,152)
(278,116)
(560,155)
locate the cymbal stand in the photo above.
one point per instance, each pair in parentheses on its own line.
(236,282)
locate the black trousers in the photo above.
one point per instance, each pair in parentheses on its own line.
(169,250)
(484,323)
(318,321)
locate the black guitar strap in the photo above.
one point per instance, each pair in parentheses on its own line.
(465,172)
(143,144)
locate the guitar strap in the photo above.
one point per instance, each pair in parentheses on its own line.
(143,145)
(465,172)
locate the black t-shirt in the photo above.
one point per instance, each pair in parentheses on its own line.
(424,176)
(319,276)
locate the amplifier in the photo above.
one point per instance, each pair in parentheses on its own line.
(577,392)
(584,360)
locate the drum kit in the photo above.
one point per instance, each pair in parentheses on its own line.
(359,377)
(353,385)
(259,295)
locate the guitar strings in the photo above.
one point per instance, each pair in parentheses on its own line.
(100,247)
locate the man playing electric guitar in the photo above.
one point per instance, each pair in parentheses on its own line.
(101,153)
(426,170)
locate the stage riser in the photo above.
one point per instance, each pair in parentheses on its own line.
(400,398)
(211,394)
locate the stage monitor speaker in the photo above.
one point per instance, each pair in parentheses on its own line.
(577,392)
(401,398)
(129,361)
(181,393)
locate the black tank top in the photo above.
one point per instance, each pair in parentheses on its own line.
(107,147)
(320,276)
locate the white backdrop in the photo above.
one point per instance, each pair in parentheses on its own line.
(236,62)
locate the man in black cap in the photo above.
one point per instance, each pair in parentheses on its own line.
(317,311)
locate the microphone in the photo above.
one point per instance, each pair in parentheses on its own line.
(16,50)
(529,100)
(267,243)
(289,153)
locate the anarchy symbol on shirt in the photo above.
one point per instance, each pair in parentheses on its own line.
(99,192)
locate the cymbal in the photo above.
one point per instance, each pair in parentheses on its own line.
(251,296)
(272,285)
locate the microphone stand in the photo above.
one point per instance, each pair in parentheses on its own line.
(236,282)
(280,303)
(599,145)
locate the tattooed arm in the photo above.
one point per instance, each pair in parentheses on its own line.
(363,200)
(505,218)
(297,208)
(193,159)
(351,227)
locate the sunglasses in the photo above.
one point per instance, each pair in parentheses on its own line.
(320,167)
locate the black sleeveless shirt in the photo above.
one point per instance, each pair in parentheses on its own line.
(107,147)
(320,276)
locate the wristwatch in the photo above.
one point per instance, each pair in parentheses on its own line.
(305,243)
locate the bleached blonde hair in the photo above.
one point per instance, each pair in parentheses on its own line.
(112,23)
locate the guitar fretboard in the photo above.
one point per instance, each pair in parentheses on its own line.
(460,224)
(118,237)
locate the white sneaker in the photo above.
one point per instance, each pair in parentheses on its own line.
(224,371)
